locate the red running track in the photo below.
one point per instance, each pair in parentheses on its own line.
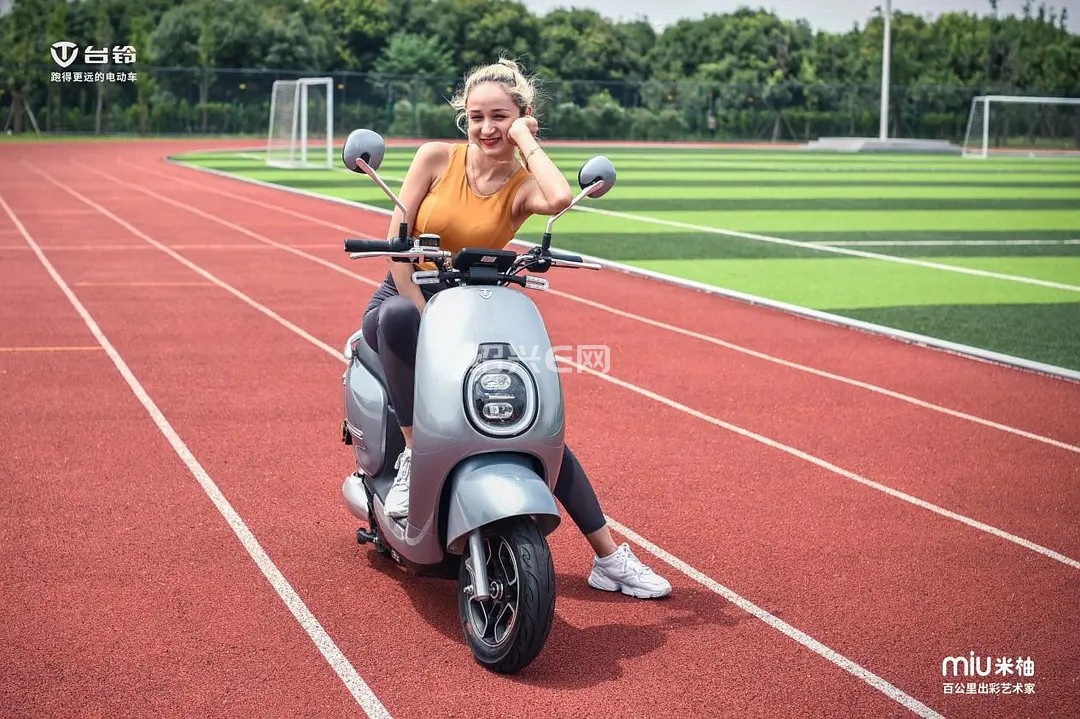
(130,594)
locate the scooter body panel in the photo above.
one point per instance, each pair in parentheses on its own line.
(457,322)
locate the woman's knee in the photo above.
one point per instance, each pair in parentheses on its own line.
(370,325)
(399,323)
(398,310)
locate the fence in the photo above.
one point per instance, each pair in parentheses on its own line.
(178,100)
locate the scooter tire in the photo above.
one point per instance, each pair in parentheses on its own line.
(534,597)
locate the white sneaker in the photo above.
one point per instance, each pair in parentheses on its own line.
(397,499)
(622,571)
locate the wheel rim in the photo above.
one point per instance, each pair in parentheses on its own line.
(495,619)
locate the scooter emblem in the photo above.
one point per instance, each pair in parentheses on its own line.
(486,294)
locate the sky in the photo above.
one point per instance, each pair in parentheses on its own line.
(831,15)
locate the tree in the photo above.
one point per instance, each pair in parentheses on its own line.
(104,33)
(409,62)
(359,27)
(57,28)
(579,51)
(24,47)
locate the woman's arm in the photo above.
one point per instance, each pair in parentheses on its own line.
(430,162)
(548,193)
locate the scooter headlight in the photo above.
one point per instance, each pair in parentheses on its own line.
(500,398)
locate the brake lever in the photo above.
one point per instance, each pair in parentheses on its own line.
(527,264)
(411,255)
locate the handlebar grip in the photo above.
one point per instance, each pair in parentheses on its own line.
(357,245)
(566,258)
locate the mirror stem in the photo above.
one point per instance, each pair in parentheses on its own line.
(378,181)
(588,190)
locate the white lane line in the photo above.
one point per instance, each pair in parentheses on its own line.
(938,243)
(830,655)
(232,225)
(829,466)
(826,375)
(122,247)
(52,212)
(597,305)
(778,624)
(836,250)
(359,689)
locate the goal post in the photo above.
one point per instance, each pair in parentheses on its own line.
(1017,123)
(301,123)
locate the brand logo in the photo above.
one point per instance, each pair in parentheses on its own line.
(64,53)
(1012,674)
(973,666)
(486,294)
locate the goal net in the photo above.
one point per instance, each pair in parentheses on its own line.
(301,123)
(1035,125)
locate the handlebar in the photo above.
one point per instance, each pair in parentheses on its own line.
(357,245)
(559,262)
(539,259)
(559,256)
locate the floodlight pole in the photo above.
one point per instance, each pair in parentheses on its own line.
(883,133)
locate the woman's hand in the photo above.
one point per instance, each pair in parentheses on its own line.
(522,131)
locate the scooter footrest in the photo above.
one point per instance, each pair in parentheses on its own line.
(363,536)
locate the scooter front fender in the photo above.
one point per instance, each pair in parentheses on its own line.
(490,487)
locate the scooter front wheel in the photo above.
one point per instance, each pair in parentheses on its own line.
(507,631)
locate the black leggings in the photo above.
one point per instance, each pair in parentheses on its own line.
(391,327)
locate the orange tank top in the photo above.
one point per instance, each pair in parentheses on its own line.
(461,217)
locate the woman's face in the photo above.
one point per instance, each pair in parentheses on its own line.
(491,111)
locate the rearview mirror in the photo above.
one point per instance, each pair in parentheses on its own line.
(598,168)
(595,177)
(366,145)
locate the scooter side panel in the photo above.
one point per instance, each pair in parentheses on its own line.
(491,487)
(365,412)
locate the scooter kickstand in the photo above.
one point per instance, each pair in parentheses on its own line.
(364,536)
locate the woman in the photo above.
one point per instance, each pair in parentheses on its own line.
(472,193)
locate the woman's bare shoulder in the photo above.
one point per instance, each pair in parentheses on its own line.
(434,153)
(433,159)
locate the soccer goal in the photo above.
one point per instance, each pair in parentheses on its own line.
(1018,124)
(301,123)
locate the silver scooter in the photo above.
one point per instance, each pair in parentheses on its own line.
(487,429)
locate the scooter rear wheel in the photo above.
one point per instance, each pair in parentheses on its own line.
(508,630)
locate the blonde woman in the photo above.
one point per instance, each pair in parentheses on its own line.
(478,193)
